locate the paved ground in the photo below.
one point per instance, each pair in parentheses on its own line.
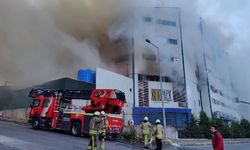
(21,137)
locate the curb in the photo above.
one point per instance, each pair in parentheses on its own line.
(199,142)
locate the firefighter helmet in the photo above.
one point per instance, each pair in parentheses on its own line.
(103,113)
(97,113)
(145,118)
(158,121)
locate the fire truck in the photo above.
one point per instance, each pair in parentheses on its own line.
(71,110)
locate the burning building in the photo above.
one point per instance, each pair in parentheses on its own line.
(62,37)
(189,68)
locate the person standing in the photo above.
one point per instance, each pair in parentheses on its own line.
(217,140)
(145,126)
(102,131)
(93,130)
(158,133)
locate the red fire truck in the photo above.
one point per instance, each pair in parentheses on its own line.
(71,110)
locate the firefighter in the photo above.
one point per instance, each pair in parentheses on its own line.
(145,126)
(102,131)
(158,133)
(93,130)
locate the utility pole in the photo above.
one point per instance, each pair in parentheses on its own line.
(161,94)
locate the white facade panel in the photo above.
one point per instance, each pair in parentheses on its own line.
(162,25)
(107,79)
(110,80)
(136,91)
(194,99)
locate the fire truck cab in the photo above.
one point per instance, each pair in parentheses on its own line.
(71,110)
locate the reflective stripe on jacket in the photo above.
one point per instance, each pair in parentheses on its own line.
(104,124)
(94,123)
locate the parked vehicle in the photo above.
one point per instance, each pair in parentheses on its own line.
(71,110)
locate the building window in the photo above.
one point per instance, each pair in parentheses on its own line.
(175,59)
(171,119)
(143,94)
(147,19)
(219,103)
(153,78)
(213,89)
(220,92)
(236,99)
(223,104)
(172,41)
(166,22)
(149,57)
(216,101)
(181,120)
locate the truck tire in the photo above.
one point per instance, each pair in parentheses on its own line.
(113,136)
(116,136)
(36,123)
(76,128)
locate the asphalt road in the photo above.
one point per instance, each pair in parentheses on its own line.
(244,146)
(21,137)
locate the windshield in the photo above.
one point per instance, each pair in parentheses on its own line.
(36,103)
(46,103)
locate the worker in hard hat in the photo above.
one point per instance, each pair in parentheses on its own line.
(158,134)
(102,130)
(93,130)
(145,127)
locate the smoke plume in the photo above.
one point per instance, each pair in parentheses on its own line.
(226,29)
(42,40)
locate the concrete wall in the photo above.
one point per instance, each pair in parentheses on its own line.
(18,115)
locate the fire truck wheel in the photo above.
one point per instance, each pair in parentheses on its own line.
(35,123)
(115,135)
(76,128)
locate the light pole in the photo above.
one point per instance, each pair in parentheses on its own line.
(162,99)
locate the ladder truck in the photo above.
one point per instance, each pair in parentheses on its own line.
(71,110)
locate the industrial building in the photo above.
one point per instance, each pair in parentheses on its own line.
(161,60)
(191,81)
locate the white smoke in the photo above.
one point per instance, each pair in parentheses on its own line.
(232,19)
(226,25)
